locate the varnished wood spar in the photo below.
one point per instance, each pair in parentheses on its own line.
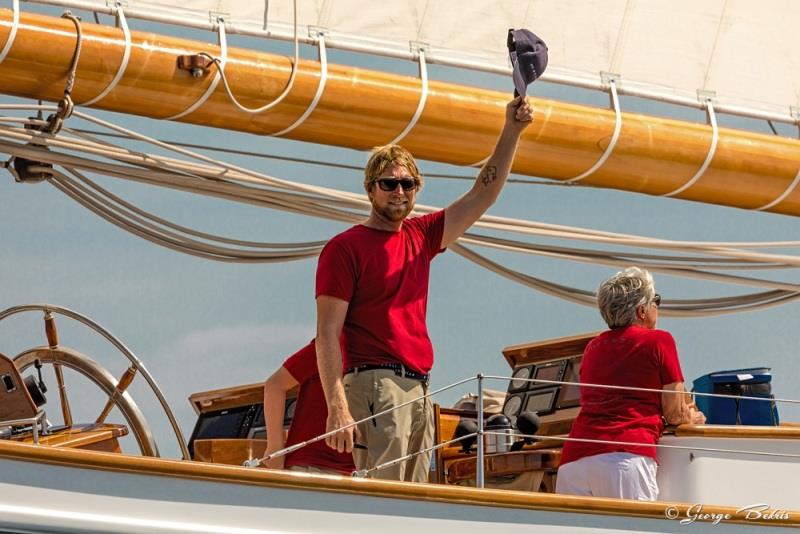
(137,465)
(362,108)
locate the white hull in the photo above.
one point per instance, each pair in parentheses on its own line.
(740,480)
(41,497)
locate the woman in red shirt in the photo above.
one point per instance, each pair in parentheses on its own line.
(631,353)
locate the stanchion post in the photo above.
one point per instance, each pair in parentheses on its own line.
(479,466)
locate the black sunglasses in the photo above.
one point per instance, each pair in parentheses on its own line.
(657,300)
(390,184)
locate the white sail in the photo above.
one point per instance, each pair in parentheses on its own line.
(682,51)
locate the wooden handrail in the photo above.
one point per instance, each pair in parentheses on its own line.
(738,431)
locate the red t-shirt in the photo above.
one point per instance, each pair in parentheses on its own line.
(383,275)
(310,417)
(631,356)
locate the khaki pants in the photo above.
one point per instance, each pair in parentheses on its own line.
(396,434)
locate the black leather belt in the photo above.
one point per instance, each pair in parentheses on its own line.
(398,368)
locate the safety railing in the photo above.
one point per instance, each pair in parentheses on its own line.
(37,423)
(481,429)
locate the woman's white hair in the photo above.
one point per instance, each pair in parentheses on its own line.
(619,296)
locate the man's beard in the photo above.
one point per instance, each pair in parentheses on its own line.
(394,212)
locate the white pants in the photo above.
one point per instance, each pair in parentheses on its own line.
(617,474)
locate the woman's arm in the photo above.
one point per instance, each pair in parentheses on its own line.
(678,408)
(275,390)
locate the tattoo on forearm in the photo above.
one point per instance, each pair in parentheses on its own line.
(489,175)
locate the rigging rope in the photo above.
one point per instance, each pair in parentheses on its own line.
(612,144)
(309,161)
(123,65)
(205,175)
(13,33)
(220,64)
(65,106)
(712,150)
(779,198)
(212,86)
(423,98)
(323,78)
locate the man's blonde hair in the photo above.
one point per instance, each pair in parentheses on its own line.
(382,157)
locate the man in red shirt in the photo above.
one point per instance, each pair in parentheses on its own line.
(631,353)
(372,289)
(310,414)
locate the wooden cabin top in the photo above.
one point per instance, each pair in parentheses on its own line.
(548,349)
(230,397)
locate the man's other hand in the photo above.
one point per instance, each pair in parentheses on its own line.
(342,441)
(275,463)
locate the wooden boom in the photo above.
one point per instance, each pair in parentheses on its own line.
(361,108)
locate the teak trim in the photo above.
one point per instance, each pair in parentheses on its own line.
(548,349)
(738,431)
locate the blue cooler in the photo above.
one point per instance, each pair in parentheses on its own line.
(754,382)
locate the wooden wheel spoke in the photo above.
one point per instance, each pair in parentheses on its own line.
(51,332)
(122,385)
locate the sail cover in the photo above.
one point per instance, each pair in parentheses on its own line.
(739,53)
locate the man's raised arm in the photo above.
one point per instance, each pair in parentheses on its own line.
(331,313)
(462,213)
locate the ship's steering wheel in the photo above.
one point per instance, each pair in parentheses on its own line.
(59,356)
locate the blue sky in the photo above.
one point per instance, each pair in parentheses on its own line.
(201,325)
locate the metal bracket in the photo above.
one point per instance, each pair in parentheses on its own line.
(607,77)
(315,32)
(704,97)
(114,3)
(218,17)
(416,47)
(794,111)
(196,64)
(20,170)
(20,167)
